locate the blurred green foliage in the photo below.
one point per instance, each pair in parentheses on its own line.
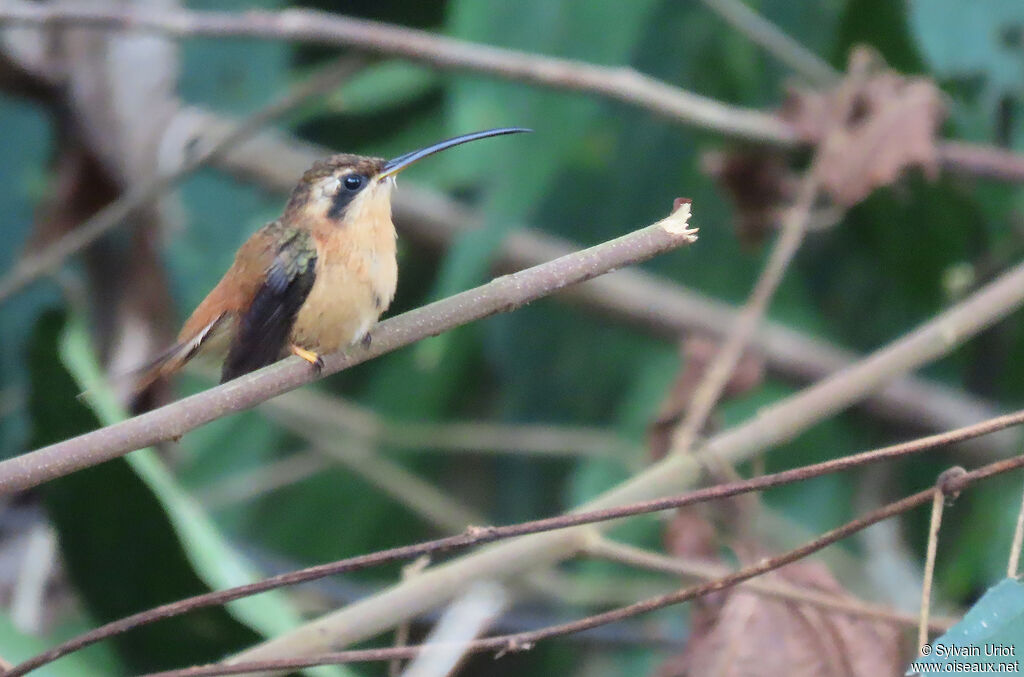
(592,170)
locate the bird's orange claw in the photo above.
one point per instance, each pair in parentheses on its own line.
(309,356)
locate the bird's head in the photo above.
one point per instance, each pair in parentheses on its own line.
(342,186)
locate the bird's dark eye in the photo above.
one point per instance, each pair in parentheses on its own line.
(353,182)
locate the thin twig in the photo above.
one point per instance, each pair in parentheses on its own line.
(526,640)
(940,494)
(938,501)
(443,53)
(709,390)
(53,256)
(771,426)
(425,499)
(478,535)
(465,619)
(619,84)
(794,228)
(332,412)
(773,40)
(629,555)
(971,159)
(263,479)
(668,311)
(503,294)
(315,408)
(402,631)
(404,487)
(1013,564)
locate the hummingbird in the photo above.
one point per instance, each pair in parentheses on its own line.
(313,281)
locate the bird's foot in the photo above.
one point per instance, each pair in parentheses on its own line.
(309,356)
(366,340)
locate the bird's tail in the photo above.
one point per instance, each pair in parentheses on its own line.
(163,366)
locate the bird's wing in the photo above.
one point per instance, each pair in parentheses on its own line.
(264,327)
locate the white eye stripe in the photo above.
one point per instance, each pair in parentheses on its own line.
(330,186)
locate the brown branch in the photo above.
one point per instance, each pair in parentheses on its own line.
(774,41)
(971,159)
(669,309)
(526,640)
(794,228)
(311,408)
(940,495)
(616,83)
(263,479)
(113,215)
(771,426)
(938,501)
(1013,563)
(403,486)
(709,389)
(779,589)
(481,535)
(500,295)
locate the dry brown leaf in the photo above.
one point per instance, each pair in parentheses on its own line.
(873,126)
(759,183)
(756,636)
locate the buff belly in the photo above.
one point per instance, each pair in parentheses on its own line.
(346,300)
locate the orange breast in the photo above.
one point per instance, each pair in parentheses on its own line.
(356,276)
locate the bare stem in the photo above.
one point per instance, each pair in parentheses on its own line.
(772,425)
(619,84)
(794,228)
(710,388)
(53,256)
(480,535)
(669,309)
(773,40)
(944,491)
(1013,564)
(628,555)
(313,408)
(935,522)
(443,53)
(500,295)
(526,640)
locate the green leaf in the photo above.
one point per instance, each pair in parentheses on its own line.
(993,626)
(977,50)
(514,176)
(882,24)
(116,544)
(212,558)
(16,646)
(977,39)
(27,145)
(383,86)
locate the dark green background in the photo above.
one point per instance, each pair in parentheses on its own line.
(592,170)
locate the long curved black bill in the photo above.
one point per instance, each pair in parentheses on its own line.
(399,163)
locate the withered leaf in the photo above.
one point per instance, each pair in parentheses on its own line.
(757,636)
(759,184)
(874,125)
